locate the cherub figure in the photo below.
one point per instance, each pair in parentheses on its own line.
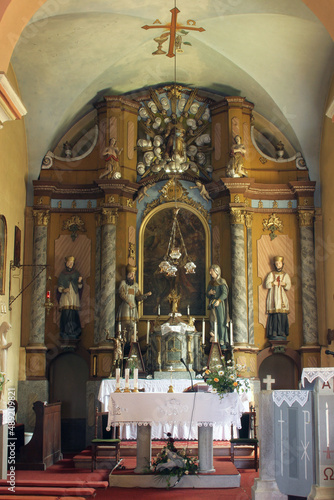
(202,191)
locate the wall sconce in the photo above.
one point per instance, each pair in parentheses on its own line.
(48,304)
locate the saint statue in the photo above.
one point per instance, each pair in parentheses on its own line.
(130,294)
(278,283)
(111,157)
(217,293)
(235,167)
(69,294)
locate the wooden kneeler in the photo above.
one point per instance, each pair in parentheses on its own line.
(103,443)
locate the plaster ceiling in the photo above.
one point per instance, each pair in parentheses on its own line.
(276,54)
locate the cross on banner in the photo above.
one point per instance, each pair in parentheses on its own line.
(171,30)
(268,381)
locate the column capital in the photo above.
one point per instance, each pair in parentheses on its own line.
(109,216)
(306,218)
(41,217)
(236,216)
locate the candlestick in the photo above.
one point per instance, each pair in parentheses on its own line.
(231,333)
(215,331)
(203,331)
(135,380)
(148,332)
(118,380)
(127,381)
(171,380)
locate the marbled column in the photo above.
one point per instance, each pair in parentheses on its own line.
(97,279)
(37,316)
(248,221)
(239,290)
(108,271)
(309,298)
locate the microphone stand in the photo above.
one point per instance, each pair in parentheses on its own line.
(191,379)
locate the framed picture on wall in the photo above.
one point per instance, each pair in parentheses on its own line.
(17,247)
(3,248)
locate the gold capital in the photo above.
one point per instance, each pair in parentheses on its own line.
(237,216)
(41,217)
(248,219)
(306,218)
(109,216)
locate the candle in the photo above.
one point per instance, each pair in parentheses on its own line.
(231,333)
(159,310)
(148,332)
(127,375)
(188,310)
(215,331)
(119,327)
(118,378)
(135,332)
(135,378)
(48,295)
(203,331)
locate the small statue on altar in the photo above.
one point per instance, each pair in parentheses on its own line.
(118,350)
(111,157)
(235,167)
(278,283)
(217,293)
(130,294)
(174,300)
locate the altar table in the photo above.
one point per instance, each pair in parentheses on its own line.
(159,430)
(205,410)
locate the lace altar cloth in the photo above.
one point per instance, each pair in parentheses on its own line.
(174,409)
(290,397)
(159,431)
(311,374)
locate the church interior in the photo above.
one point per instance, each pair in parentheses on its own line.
(163,140)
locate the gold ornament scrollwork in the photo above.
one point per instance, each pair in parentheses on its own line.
(132,251)
(74,224)
(248,220)
(109,216)
(306,218)
(237,216)
(41,217)
(272,224)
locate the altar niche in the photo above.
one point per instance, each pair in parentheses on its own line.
(154,238)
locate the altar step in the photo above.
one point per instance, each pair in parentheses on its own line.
(226,475)
(129,449)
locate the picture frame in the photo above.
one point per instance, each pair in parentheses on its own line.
(3,250)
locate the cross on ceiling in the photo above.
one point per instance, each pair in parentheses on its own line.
(268,381)
(173,27)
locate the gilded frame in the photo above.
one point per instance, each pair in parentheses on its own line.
(146,220)
(3,253)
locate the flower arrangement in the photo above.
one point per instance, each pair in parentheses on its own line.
(172,462)
(224,378)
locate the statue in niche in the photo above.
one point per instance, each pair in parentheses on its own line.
(69,293)
(278,283)
(111,157)
(217,293)
(130,294)
(235,167)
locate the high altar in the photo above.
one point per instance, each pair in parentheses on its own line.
(109,198)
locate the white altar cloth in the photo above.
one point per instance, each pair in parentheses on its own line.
(171,410)
(179,431)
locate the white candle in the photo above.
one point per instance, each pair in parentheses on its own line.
(148,332)
(203,331)
(159,310)
(118,378)
(215,331)
(127,375)
(135,378)
(119,327)
(188,310)
(231,333)
(135,332)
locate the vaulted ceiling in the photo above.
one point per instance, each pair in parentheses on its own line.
(276,54)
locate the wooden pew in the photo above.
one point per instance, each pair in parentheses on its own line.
(44,448)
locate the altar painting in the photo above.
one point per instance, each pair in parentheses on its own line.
(191,287)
